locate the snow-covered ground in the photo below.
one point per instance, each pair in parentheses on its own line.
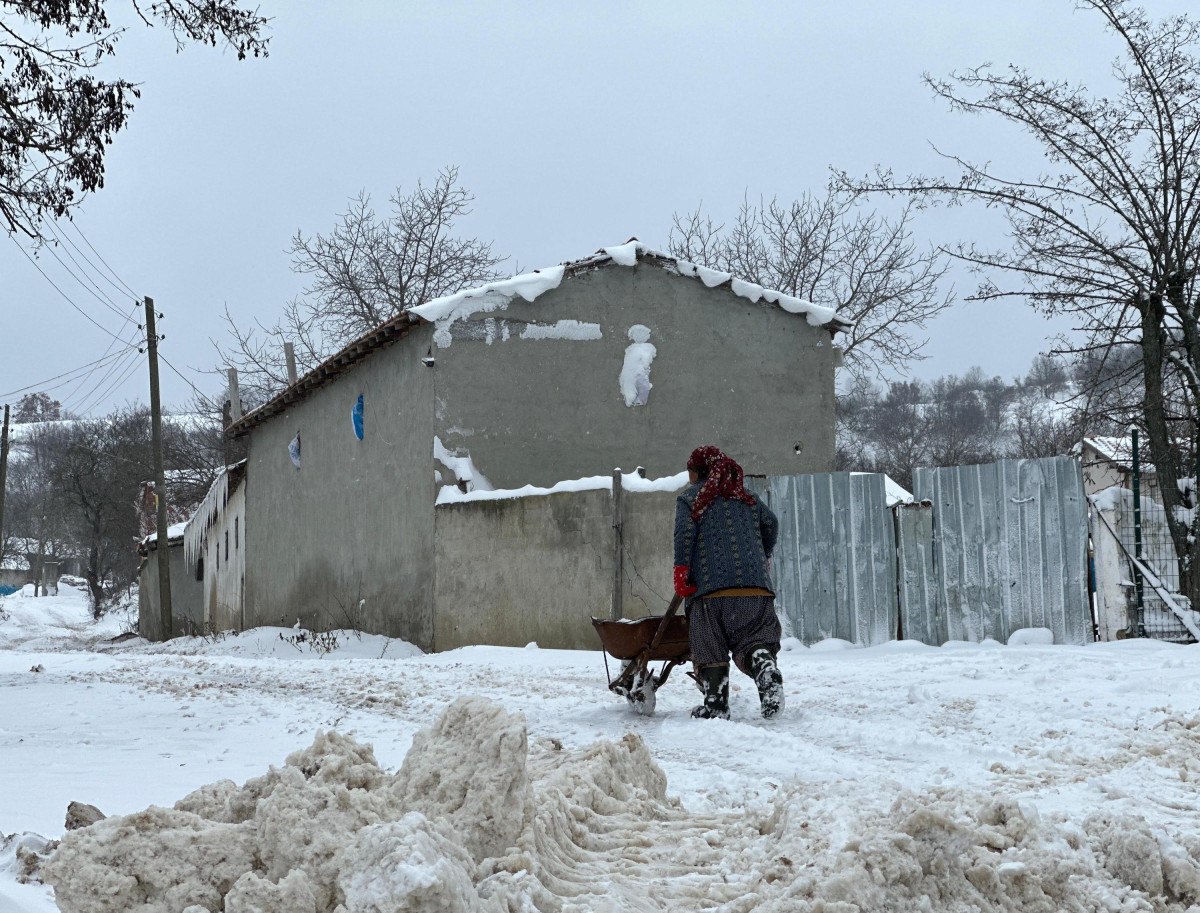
(993,777)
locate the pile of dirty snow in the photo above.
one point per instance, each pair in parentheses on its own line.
(476,819)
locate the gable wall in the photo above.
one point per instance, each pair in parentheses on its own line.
(748,377)
(355,522)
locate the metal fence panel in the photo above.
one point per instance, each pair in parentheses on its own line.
(1158,554)
(1010,545)
(834,566)
(917,585)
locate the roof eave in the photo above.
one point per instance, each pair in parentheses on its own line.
(382,336)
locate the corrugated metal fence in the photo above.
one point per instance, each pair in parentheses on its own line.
(999,547)
(835,563)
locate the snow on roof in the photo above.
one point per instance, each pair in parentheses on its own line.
(1118,450)
(174,535)
(496,295)
(630,481)
(528,286)
(196,529)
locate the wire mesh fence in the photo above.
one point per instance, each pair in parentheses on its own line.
(1151,613)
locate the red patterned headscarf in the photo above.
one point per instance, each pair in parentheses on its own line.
(724,478)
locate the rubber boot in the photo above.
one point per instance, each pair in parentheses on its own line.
(714,681)
(769,680)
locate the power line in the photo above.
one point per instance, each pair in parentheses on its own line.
(41,385)
(76,399)
(131,341)
(163,359)
(79,231)
(74,390)
(134,363)
(65,296)
(93,289)
(62,235)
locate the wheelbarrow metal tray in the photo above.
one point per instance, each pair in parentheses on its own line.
(625,639)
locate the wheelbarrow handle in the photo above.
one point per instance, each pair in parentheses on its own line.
(641,661)
(676,601)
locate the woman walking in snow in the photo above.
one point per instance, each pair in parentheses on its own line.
(724,536)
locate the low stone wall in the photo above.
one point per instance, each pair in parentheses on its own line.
(513,571)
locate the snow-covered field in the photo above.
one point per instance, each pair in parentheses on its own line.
(903,777)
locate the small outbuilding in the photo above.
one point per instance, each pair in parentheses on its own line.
(1107,462)
(187,611)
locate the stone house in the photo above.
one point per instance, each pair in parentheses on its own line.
(625,358)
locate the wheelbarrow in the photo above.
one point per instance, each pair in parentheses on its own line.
(638,642)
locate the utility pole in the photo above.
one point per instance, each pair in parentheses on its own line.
(3,474)
(163,548)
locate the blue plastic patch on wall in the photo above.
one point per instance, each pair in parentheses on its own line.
(294,450)
(356,416)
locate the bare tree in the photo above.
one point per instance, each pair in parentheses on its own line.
(58,115)
(99,465)
(368,269)
(1043,428)
(1109,231)
(827,250)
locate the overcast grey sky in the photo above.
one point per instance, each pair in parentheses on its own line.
(575,124)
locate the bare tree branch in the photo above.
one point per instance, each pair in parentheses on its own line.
(829,251)
(366,270)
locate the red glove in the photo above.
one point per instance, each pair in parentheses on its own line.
(682,587)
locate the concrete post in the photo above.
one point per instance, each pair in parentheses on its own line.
(289,354)
(618,523)
(50,577)
(235,396)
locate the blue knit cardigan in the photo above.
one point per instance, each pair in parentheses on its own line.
(730,545)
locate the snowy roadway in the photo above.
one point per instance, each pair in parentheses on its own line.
(1071,732)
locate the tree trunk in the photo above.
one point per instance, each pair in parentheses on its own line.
(93,582)
(1164,459)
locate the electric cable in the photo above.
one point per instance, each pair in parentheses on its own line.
(164,360)
(42,385)
(134,364)
(74,391)
(94,269)
(79,231)
(93,289)
(65,296)
(74,399)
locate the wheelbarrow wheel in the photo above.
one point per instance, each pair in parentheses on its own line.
(641,694)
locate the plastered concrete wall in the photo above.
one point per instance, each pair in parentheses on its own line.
(187,598)
(748,377)
(14,577)
(537,569)
(347,539)
(225,573)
